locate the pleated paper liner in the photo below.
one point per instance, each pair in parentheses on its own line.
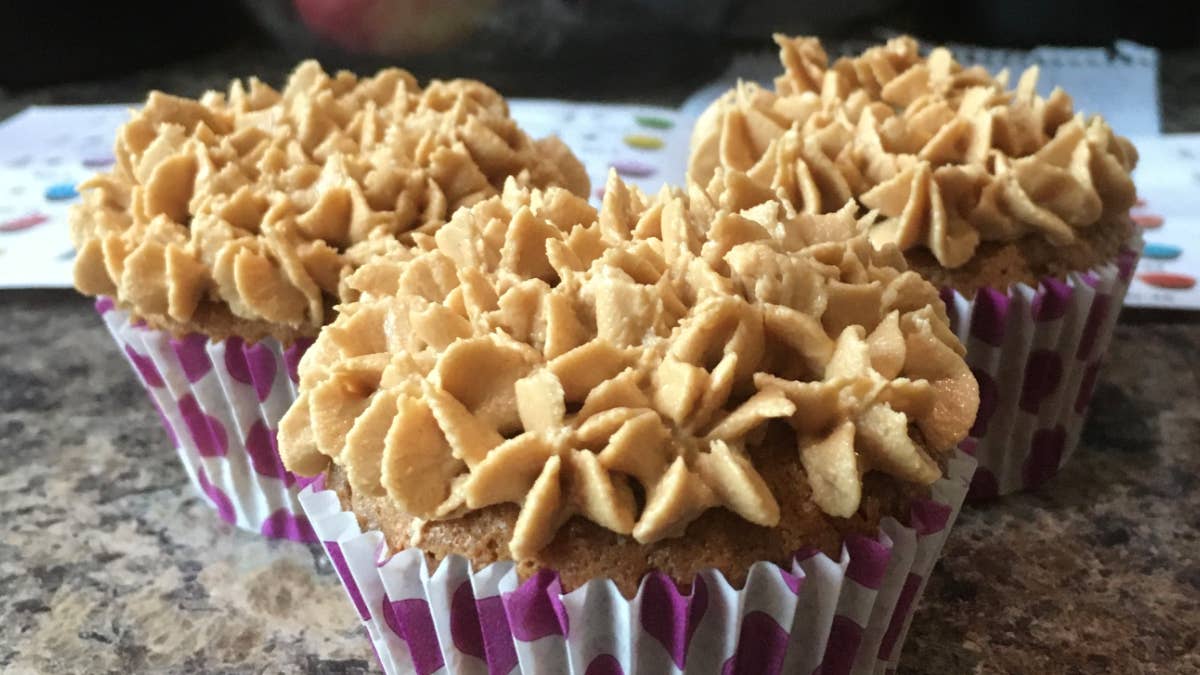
(1037,353)
(220,403)
(833,616)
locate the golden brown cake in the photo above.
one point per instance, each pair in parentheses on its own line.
(699,380)
(242,213)
(583,550)
(980,185)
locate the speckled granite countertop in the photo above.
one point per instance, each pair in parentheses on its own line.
(109,562)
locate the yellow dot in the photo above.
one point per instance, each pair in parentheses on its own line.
(643,141)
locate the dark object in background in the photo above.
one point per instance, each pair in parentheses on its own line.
(543,47)
(533,47)
(480,31)
(538,29)
(756,20)
(523,47)
(50,42)
(1029,23)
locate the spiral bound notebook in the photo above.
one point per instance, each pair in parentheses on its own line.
(46,151)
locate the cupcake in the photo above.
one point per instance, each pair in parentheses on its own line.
(1013,204)
(221,239)
(697,432)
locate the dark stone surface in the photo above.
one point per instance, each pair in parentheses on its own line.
(1096,572)
(109,562)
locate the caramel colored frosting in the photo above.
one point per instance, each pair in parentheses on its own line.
(622,366)
(947,155)
(263,201)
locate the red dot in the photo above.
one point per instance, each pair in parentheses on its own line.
(24,222)
(1168,280)
(1149,221)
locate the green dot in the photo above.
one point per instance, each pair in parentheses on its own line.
(653,122)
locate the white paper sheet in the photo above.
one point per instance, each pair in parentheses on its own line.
(42,147)
(1168,181)
(597,133)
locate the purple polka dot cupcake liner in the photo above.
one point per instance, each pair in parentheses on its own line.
(1037,353)
(832,616)
(220,403)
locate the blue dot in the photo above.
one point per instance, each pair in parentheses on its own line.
(1162,251)
(61,191)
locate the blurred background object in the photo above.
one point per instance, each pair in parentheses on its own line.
(531,47)
(1029,23)
(48,42)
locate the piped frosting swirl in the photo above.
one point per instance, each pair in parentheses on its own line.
(622,366)
(263,201)
(947,155)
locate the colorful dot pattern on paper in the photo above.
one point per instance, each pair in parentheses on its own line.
(644,142)
(1168,280)
(645,145)
(43,157)
(631,168)
(61,191)
(23,222)
(1167,211)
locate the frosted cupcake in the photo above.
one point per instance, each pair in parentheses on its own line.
(701,432)
(1012,203)
(220,240)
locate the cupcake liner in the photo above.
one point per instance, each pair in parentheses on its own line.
(220,403)
(817,615)
(1036,353)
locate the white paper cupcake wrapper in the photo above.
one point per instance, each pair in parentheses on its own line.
(820,615)
(220,403)
(1036,353)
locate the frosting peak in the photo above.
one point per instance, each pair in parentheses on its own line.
(622,366)
(948,155)
(263,201)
